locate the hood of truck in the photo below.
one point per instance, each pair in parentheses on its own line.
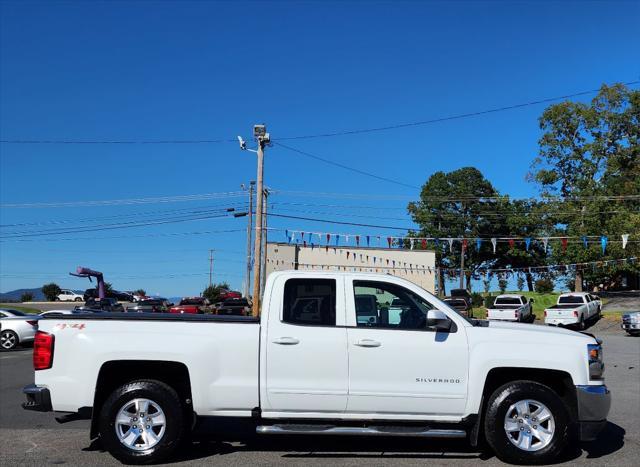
(533,333)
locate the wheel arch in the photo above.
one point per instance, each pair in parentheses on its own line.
(558,380)
(114,374)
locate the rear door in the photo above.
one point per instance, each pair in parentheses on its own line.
(397,364)
(306,347)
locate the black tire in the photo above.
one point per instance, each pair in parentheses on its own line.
(9,340)
(498,405)
(77,299)
(582,325)
(162,395)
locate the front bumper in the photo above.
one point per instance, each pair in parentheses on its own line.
(594,403)
(629,326)
(38,398)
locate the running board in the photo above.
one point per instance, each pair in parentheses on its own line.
(295,429)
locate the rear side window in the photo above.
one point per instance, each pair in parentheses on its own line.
(310,302)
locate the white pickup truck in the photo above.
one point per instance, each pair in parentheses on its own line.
(511,307)
(573,309)
(311,366)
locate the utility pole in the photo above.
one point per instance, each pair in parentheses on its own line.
(210,267)
(261,135)
(249,235)
(462,267)
(265,218)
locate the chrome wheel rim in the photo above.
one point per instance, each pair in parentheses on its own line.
(140,424)
(7,340)
(529,425)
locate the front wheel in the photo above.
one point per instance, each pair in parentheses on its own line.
(8,340)
(142,422)
(526,423)
(78,299)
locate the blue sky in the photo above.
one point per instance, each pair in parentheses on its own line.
(133,71)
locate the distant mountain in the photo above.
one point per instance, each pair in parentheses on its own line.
(14,295)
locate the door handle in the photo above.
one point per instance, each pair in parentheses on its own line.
(286,341)
(368,343)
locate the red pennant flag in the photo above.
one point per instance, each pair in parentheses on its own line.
(305,243)
(328,238)
(464,244)
(347,255)
(512,242)
(564,244)
(389,241)
(424,243)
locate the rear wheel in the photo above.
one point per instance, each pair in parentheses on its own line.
(78,299)
(142,422)
(582,325)
(8,340)
(526,423)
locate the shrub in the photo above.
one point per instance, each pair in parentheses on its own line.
(488,301)
(502,285)
(51,291)
(520,283)
(26,297)
(544,285)
(477,299)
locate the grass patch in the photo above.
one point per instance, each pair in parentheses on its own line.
(24,309)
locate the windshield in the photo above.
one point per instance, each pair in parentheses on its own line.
(571,300)
(16,312)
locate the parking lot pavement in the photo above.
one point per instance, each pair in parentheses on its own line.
(35,438)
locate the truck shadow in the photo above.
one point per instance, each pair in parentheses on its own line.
(330,447)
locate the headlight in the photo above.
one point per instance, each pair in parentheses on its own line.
(595,358)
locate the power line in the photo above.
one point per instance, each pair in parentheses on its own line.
(319,135)
(129,201)
(346,167)
(170,234)
(447,118)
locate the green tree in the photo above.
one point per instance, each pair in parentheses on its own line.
(454,205)
(26,297)
(520,282)
(108,287)
(51,291)
(140,292)
(212,292)
(502,285)
(590,158)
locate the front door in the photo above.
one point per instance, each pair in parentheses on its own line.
(306,348)
(397,364)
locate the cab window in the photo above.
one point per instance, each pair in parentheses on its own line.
(385,305)
(310,302)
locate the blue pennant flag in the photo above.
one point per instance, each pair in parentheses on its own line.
(368,240)
(478,243)
(585,241)
(527,242)
(603,242)
(337,238)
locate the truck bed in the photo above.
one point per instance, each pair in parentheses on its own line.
(133,316)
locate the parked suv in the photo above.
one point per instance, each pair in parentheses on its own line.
(67,295)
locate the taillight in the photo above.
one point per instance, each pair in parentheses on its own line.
(575,313)
(32,322)
(516,314)
(43,350)
(545,313)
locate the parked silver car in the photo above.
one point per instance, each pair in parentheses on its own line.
(17,330)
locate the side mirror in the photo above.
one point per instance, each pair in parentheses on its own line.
(438,320)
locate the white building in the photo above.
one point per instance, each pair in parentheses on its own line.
(417,266)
